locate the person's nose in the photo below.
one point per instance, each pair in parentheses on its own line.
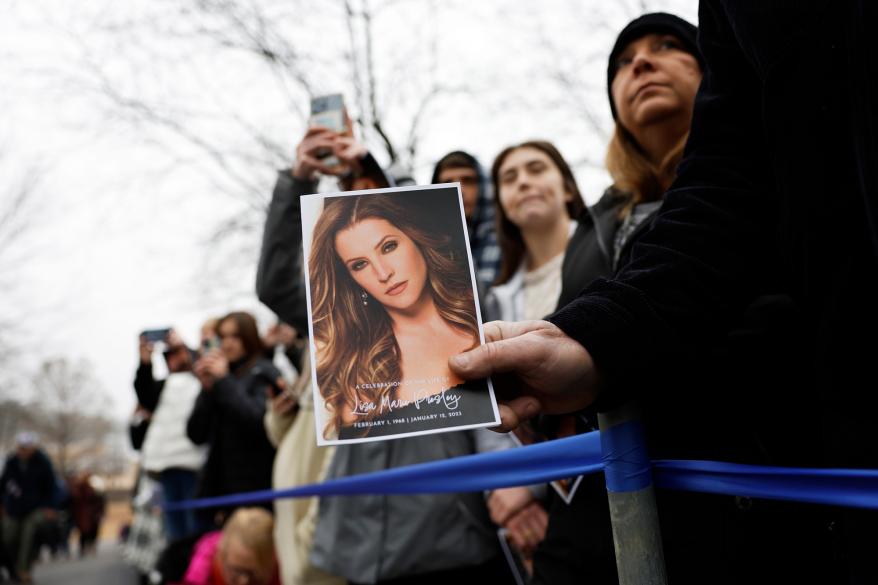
(383,271)
(642,62)
(522,182)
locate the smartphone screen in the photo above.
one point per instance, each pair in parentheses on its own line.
(328,111)
(209,344)
(154,335)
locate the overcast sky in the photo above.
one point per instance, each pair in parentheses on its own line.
(119,231)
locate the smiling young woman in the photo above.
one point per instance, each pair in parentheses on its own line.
(538,199)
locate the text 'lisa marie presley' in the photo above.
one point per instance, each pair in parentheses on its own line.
(450,400)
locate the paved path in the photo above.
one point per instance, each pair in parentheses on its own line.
(106,567)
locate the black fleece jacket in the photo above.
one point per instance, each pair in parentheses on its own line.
(779,182)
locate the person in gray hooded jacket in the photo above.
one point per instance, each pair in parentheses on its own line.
(373,539)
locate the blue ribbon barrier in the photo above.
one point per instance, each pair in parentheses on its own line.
(627,467)
(529,465)
(574,456)
(857,488)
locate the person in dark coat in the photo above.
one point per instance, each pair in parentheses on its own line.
(656,52)
(469,547)
(229,410)
(27,487)
(777,185)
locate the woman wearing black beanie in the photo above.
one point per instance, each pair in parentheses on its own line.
(653,73)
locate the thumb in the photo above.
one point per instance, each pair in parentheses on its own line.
(505,355)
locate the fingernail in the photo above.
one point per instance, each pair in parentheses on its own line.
(460,361)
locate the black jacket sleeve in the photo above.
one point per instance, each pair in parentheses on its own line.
(280,280)
(697,263)
(147,388)
(202,419)
(234,401)
(137,433)
(242,402)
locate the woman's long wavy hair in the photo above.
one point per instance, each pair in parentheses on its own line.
(633,173)
(512,249)
(355,341)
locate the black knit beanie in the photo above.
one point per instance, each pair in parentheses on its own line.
(655,22)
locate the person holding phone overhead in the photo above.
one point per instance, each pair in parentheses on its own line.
(456,538)
(166,450)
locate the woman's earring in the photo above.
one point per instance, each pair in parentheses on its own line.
(365,298)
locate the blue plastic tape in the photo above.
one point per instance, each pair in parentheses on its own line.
(856,488)
(626,460)
(580,455)
(530,465)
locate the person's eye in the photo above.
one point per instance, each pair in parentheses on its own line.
(669,43)
(357,265)
(507,178)
(536,167)
(623,61)
(389,246)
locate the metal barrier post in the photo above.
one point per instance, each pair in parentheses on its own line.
(636,534)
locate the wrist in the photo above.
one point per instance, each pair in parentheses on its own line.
(302,173)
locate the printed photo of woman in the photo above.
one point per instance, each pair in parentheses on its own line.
(391,298)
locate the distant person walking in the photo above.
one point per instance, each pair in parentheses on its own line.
(27,486)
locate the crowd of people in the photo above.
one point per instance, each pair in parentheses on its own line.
(717,282)
(43,509)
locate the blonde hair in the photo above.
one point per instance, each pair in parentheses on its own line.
(635,174)
(254,529)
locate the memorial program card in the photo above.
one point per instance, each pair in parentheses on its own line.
(391,296)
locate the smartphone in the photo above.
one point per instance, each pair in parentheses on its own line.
(209,344)
(155,335)
(328,111)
